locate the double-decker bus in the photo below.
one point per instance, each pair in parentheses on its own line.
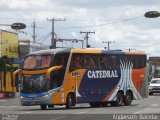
(70,76)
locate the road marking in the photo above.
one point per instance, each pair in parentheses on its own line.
(151,97)
(141,105)
(58,118)
(154,105)
(4,101)
(13,106)
(3,106)
(141,111)
(9,107)
(84,112)
(25,112)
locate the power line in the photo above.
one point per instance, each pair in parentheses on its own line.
(67,44)
(45,37)
(99,25)
(77,27)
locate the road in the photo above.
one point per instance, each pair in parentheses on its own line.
(144,106)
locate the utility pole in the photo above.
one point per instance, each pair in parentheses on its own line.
(72,40)
(34,32)
(53,41)
(130,49)
(109,42)
(86,37)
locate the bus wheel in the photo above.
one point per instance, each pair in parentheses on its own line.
(150,93)
(128,98)
(43,107)
(70,101)
(50,106)
(120,98)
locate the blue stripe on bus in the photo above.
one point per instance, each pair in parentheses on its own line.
(95,89)
(113,51)
(31,95)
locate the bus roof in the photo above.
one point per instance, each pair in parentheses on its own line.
(51,51)
(104,51)
(85,50)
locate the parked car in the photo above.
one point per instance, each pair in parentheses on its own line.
(154,86)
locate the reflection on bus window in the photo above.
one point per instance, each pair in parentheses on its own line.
(89,62)
(103,62)
(35,83)
(46,60)
(76,62)
(30,62)
(37,62)
(61,59)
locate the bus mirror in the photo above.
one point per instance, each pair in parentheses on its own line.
(15,74)
(49,71)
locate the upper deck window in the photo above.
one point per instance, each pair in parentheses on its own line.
(37,62)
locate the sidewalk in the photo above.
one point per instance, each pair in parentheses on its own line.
(17,94)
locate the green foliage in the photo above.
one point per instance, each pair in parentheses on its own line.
(5,64)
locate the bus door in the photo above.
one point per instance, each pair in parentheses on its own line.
(75,75)
(57,77)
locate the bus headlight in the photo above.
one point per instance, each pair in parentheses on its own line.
(22,97)
(45,96)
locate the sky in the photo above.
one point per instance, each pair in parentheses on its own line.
(121,22)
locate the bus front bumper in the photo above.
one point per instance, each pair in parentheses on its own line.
(30,101)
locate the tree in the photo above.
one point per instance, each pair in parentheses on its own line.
(6,66)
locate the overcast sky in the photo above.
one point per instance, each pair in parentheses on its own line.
(121,21)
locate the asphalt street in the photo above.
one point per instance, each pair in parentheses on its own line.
(150,105)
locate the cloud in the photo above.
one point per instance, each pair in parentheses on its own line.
(108,18)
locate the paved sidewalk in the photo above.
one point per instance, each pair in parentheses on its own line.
(17,94)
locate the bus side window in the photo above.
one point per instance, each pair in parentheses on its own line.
(46,60)
(76,62)
(89,61)
(115,61)
(94,62)
(103,62)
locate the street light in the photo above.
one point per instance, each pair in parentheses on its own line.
(152,14)
(18,26)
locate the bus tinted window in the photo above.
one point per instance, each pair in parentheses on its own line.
(90,61)
(46,60)
(61,59)
(114,61)
(103,62)
(86,61)
(30,62)
(37,62)
(106,61)
(76,62)
(138,61)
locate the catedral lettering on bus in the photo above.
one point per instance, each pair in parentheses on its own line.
(103,74)
(72,76)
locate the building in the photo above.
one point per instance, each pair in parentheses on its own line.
(27,46)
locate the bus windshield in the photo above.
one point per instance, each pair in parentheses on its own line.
(37,62)
(35,84)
